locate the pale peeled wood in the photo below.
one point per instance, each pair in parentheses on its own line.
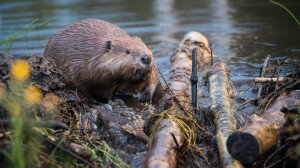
(221,107)
(162,151)
(264,80)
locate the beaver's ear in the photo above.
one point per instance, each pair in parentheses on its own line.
(108,45)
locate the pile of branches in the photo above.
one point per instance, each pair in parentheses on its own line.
(270,138)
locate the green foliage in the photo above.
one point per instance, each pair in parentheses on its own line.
(104,154)
(52,155)
(25,142)
(16,155)
(24,147)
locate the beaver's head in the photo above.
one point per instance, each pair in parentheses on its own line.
(130,61)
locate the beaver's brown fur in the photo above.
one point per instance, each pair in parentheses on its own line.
(99,58)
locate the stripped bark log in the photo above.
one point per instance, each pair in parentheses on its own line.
(162,148)
(221,107)
(264,80)
(261,134)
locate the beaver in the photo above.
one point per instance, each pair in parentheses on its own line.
(100,58)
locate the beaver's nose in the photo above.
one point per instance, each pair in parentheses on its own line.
(146,59)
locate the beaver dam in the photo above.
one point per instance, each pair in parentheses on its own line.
(228,99)
(244,123)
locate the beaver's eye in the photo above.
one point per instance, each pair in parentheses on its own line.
(128,51)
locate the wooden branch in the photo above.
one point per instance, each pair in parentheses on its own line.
(261,134)
(264,80)
(162,149)
(169,136)
(65,148)
(221,107)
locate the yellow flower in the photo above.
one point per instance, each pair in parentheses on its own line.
(32,95)
(20,70)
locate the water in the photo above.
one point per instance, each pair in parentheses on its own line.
(241,33)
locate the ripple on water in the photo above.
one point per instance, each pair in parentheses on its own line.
(238,32)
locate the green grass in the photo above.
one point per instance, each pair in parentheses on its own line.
(7,42)
(104,154)
(16,155)
(24,147)
(287,10)
(52,155)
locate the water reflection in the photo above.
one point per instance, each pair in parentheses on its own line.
(242,33)
(221,15)
(166,21)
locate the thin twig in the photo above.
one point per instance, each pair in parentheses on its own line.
(245,91)
(162,76)
(262,73)
(75,94)
(175,140)
(269,102)
(280,160)
(246,102)
(274,153)
(71,153)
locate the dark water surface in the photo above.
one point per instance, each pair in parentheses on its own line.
(242,33)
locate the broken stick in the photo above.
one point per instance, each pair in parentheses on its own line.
(262,73)
(264,80)
(261,134)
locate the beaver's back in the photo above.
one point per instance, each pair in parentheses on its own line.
(82,37)
(72,48)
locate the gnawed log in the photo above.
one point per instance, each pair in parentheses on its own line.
(221,107)
(173,130)
(261,134)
